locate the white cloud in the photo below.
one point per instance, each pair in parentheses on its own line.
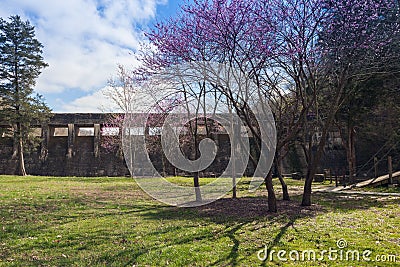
(100,102)
(83,40)
(92,103)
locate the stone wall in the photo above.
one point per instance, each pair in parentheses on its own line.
(64,152)
(71,145)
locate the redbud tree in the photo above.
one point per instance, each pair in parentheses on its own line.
(302,55)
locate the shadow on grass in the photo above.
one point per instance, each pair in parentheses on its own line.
(237,213)
(347,202)
(231,211)
(234,214)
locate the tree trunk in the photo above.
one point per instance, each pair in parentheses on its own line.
(163,164)
(312,169)
(21,163)
(197,187)
(306,201)
(285,191)
(351,153)
(196,174)
(271,193)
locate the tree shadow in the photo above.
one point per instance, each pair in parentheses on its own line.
(233,214)
(227,210)
(237,213)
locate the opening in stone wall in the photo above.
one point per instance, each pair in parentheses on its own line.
(110,131)
(60,131)
(85,131)
(134,131)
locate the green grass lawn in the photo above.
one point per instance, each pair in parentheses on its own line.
(382,189)
(52,221)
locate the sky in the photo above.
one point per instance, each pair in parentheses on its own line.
(84,41)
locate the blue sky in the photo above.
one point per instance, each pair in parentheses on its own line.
(84,40)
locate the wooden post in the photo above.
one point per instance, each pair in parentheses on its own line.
(96,148)
(233,153)
(71,140)
(390,170)
(330,175)
(376,166)
(336,180)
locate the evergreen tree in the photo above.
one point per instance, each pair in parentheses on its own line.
(21,63)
